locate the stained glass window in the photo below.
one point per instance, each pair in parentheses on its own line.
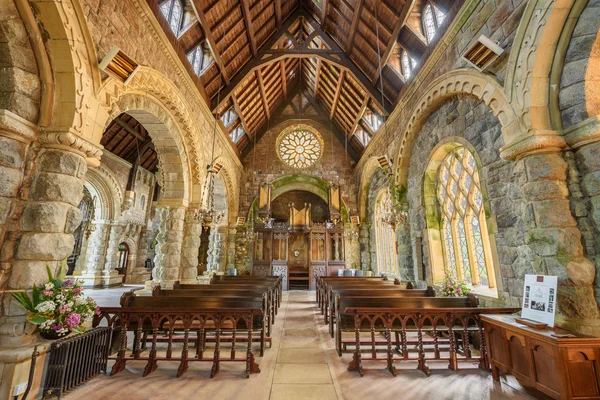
(408,64)
(433,17)
(172,10)
(300,148)
(387,259)
(463,218)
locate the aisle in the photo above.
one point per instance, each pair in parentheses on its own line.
(301,365)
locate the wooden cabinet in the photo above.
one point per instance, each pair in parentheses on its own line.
(562,368)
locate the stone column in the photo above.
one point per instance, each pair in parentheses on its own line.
(552,233)
(91,271)
(405,259)
(191,243)
(231,240)
(365,254)
(140,273)
(168,249)
(214,249)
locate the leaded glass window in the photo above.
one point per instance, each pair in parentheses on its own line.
(172,10)
(433,17)
(200,58)
(408,64)
(300,148)
(463,223)
(385,236)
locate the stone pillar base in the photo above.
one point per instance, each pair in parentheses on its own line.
(16,332)
(14,368)
(100,279)
(139,277)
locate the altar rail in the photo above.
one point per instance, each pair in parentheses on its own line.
(452,328)
(153,322)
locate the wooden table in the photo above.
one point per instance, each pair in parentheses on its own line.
(560,367)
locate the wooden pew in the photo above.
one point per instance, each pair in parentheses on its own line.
(330,286)
(154,314)
(228,294)
(274,282)
(321,281)
(251,279)
(272,292)
(433,321)
(378,292)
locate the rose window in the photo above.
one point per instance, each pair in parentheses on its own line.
(300,148)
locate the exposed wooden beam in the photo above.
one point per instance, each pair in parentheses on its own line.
(338,91)
(402,18)
(196,4)
(129,129)
(359,115)
(263,94)
(238,110)
(317,79)
(354,26)
(324,5)
(249,26)
(278,13)
(283,77)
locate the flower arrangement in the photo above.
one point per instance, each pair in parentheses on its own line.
(58,306)
(451,287)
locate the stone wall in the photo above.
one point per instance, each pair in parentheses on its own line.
(378,181)
(265,166)
(472,121)
(20,88)
(572,96)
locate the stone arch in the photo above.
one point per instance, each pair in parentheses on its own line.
(170,106)
(306,183)
(108,191)
(540,43)
(575,72)
(371,166)
(132,256)
(174,164)
(230,181)
(456,83)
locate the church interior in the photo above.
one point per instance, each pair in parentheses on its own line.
(299,199)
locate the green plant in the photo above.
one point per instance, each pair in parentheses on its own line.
(451,287)
(58,305)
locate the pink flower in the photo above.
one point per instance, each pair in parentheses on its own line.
(97,310)
(72,320)
(47,292)
(76,292)
(64,309)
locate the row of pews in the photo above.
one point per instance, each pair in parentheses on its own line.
(392,321)
(195,323)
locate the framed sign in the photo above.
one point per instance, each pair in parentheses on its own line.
(539,298)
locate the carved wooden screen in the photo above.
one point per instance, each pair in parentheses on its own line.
(317,247)
(280,241)
(262,246)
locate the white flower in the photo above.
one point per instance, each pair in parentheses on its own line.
(46,306)
(48,286)
(47,324)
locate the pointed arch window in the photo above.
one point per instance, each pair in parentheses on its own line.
(408,64)
(385,236)
(172,10)
(466,245)
(433,17)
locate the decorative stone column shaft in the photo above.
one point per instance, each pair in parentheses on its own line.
(140,273)
(214,249)
(94,259)
(191,243)
(112,250)
(168,249)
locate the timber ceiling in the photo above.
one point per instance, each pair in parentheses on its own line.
(126,138)
(264,49)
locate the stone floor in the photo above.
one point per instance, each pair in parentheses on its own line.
(301,364)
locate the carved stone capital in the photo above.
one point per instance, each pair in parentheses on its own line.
(67,140)
(535,142)
(584,133)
